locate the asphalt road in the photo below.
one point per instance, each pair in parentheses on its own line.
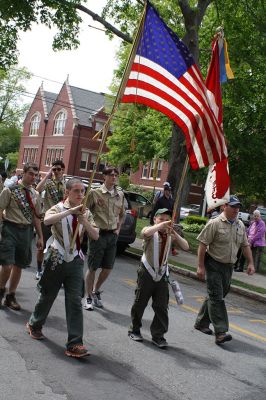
(192,368)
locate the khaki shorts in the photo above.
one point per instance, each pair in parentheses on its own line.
(102,252)
(15,246)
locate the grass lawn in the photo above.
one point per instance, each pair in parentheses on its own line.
(191,238)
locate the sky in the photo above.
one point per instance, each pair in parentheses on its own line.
(90,67)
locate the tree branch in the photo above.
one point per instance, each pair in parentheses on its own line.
(201,7)
(106,24)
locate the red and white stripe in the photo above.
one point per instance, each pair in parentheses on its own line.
(185,101)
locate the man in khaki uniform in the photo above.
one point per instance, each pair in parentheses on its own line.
(65,267)
(53,186)
(107,206)
(20,209)
(220,241)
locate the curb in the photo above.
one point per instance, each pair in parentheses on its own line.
(191,274)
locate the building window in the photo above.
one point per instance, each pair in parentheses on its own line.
(93,158)
(35,124)
(52,154)
(148,170)
(59,123)
(30,154)
(84,161)
(145,171)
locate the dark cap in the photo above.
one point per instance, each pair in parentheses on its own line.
(163,211)
(234,201)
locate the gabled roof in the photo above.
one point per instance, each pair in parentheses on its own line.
(85,102)
(50,98)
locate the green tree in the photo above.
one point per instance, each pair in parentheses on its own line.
(9,140)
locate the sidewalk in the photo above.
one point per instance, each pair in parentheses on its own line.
(190,260)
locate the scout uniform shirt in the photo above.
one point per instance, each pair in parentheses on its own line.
(223,238)
(107,207)
(54,192)
(16,206)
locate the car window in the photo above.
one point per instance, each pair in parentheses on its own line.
(140,199)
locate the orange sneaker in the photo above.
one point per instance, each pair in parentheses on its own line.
(77,351)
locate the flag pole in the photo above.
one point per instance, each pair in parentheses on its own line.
(179,190)
(106,127)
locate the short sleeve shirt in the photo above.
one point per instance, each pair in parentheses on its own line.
(223,238)
(148,246)
(107,208)
(54,192)
(56,229)
(12,205)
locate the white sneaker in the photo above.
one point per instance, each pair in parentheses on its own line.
(38,275)
(96,299)
(87,305)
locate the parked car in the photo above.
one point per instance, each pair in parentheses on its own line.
(127,233)
(244,217)
(192,209)
(140,204)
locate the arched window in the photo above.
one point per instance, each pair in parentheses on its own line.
(59,123)
(35,124)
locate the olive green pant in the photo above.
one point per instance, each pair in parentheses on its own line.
(213,310)
(71,276)
(147,288)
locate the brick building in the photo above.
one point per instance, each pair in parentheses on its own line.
(62,126)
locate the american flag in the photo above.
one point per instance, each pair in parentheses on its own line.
(165,77)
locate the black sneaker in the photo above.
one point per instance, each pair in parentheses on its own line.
(136,336)
(11,302)
(2,294)
(96,299)
(161,342)
(222,338)
(87,305)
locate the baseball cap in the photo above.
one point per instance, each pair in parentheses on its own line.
(163,211)
(234,201)
(167,184)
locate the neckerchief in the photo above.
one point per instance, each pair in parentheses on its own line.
(54,191)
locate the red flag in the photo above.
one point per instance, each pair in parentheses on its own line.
(164,76)
(218,180)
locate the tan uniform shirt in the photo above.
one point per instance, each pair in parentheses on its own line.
(56,229)
(223,238)
(106,208)
(12,211)
(49,200)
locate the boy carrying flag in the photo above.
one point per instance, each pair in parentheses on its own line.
(152,279)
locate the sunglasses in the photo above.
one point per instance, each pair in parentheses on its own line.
(56,169)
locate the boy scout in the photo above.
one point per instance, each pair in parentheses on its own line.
(20,209)
(63,267)
(152,279)
(107,206)
(53,186)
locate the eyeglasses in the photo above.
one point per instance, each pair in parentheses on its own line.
(56,169)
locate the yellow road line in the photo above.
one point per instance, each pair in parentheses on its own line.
(261,321)
(247,332)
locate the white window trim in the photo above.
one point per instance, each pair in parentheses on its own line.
(34,132)
(56,119)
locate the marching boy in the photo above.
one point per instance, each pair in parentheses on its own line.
(152,279)
(65,267)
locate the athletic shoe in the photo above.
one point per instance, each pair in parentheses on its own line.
(87,305)
(136,336)
(205,330)
(161,342)
(34,333)
(38,275)
(11,302)
(222,338)
(77,351)
(96,299)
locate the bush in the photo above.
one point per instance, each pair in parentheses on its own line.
(139,189)
(194,228)
(196,219)
(124,181)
